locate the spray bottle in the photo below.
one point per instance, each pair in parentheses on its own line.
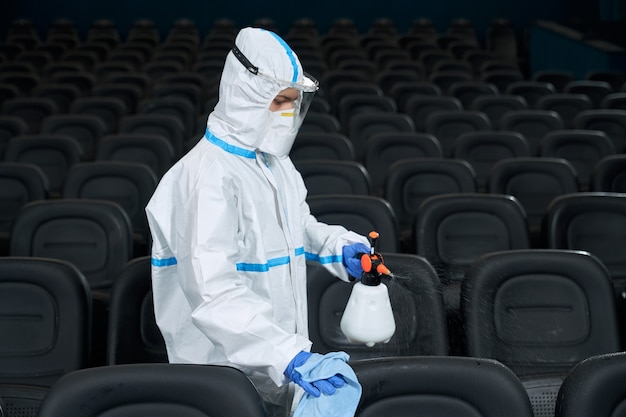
(368,317)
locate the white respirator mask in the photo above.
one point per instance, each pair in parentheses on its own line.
(282,131)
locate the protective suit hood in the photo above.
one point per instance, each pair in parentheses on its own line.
(242,116)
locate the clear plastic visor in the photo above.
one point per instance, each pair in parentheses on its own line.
(307,85)
(300,107)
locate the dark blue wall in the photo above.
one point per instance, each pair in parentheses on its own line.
(324,12)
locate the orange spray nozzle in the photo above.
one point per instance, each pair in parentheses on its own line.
(382,269)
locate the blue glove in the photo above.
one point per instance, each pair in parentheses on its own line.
(316,388)
(350,259)
(322,367)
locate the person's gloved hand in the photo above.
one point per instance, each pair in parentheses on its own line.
(315,388)
(350,259)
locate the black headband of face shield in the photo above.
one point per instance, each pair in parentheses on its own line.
(312,85)
(246,63)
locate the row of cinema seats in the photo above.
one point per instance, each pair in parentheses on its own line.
(92,118)
(57,154)
(533,182)
(102,113)
(402,169)
(127,185)
(437,385)
(410,385)
(454,134)
(446,120)
(451,226)
(453,230)
(539,198)
(530,317)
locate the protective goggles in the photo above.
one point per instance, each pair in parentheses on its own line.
(308,84)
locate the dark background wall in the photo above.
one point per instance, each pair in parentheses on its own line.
(323,12)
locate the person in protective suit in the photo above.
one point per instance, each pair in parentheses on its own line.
(231,232)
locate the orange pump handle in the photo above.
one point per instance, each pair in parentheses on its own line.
(366,262)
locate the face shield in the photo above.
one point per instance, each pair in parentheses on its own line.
(306,87)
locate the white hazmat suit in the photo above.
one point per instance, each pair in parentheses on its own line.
(231,231)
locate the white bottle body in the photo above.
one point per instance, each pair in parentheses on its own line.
(368,317)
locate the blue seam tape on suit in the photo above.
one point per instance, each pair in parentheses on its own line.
(235,150)
(252,267)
